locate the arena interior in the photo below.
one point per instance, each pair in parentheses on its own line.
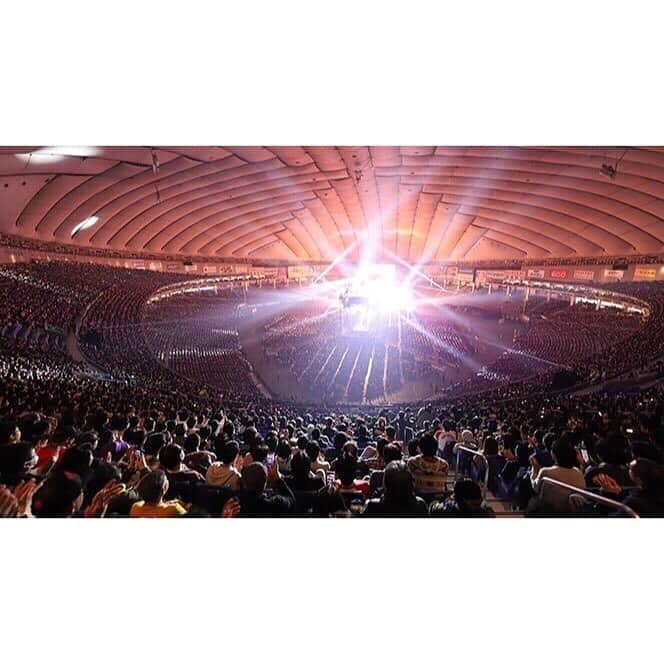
(331,331)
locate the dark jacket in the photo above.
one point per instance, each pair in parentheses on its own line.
(381,507)
(278,502)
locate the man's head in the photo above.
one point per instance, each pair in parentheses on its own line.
(250,435)
(490,446)
(15,461)
(646,474)
(9,432)
(563,453)
(284,450)
(153,487)
(61,495)
(340,439)
(391,453)
(272,440)
(171,456)
(191,443)
(523,452)
(548,440)
(313,450)
(254,478)
(428,446)
(259,451)
(154,443)
(467,494)
(229,452)
(76,460)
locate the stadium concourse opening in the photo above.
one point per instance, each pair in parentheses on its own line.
(470,332)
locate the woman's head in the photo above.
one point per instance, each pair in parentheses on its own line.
(346,468)
(398,482)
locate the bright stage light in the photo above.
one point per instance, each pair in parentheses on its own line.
(388,297)
(379,286)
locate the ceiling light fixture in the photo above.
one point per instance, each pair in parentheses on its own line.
(86,223)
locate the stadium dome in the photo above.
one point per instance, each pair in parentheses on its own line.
(294,204)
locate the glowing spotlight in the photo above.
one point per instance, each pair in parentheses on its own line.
(386,296)
(86,223)
(377,285)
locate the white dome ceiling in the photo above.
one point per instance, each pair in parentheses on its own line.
(312,203)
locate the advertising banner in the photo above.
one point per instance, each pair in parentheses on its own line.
(209,269)
(614,274)
(270,272)
(536,274)
(499,275)
(172,267)
(465,274)
(298,271)
(433,271)
(558,274)
(645,273)
(584,275)
(191,268)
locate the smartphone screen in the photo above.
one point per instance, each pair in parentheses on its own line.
(584,455)
(270,459)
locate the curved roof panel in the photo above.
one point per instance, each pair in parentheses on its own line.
(313,202)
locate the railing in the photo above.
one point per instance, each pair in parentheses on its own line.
(470,450)
(593,497)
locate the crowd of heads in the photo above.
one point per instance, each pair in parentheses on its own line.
(130,437)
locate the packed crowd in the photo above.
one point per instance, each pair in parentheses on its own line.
(39,302)
(93,448)
(137,437)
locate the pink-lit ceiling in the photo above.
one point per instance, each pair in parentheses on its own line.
(312,203)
